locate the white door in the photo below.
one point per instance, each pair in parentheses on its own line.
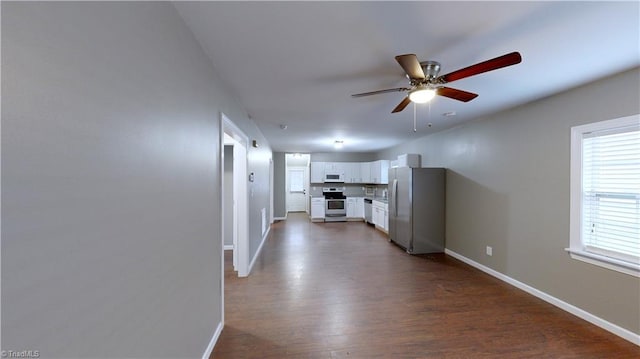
(296,189)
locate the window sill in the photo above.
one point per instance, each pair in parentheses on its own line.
(632,269)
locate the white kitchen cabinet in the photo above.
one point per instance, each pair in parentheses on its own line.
(348,170)
(351,207)
(385,218)
(317,208)
(380,172)
(355,207)
(317,172)
(352,172)
(376,172)
(365,172)
(380,215)
(334,167)
(360,207)
(409,160)
(375,213)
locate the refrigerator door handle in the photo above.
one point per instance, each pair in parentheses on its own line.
(395,196)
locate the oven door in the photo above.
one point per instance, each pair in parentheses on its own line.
(335,207)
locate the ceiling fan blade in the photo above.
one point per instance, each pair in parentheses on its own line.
(411,66)
(399,89)
(456,94)
(489,65)
(402,105)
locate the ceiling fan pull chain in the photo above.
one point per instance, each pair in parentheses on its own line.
(414,118)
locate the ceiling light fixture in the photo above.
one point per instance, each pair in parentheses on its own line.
(422,94)
(338,144)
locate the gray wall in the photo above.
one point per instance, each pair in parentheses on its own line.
(228,195)
(508,187)
(279,180)
(110,181)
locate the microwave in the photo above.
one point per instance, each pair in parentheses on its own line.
(333,177)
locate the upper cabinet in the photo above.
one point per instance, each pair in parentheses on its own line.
(365,172)
(376,172)
(352,172)
(317,172)
(380,172)
(334,167)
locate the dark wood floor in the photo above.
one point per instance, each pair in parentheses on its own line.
(341,290)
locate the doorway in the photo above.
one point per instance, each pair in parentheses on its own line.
(297,182)
(234,192)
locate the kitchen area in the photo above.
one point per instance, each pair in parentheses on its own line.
(353,191)
(398,197)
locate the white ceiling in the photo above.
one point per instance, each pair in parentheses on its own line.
(297,63)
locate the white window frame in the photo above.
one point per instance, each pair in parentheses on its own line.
(577,248)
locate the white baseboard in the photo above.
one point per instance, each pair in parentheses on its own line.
(281,218)
(212,343)
(255,257)
(228,247)
(608,326)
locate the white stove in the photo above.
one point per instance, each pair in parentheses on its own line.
(335,204)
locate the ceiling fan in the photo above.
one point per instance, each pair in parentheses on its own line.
(425,82)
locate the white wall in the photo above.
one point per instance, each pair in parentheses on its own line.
(111,181)
(508,187)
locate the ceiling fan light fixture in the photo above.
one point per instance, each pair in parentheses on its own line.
(422,94)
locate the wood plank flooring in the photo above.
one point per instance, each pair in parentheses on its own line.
(341,290)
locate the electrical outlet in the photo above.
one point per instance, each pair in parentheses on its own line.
(489,251)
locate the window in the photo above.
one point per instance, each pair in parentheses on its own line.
(605,194)
(296,180)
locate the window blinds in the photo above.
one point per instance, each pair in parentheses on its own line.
(611,193)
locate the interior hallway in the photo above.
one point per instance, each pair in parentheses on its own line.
(341,290)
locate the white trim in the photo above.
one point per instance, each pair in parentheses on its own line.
(228,247)
(608,326)
(214,340)
(216,334)
(605,262)
(281,218)
(255,257)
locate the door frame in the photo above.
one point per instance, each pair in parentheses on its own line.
(240,188)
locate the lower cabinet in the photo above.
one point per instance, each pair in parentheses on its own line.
(317,209)
(360,207)
(355,207)
(380,215)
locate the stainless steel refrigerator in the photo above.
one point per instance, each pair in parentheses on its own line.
(417,209)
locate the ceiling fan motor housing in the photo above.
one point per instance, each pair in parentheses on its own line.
(430,69)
